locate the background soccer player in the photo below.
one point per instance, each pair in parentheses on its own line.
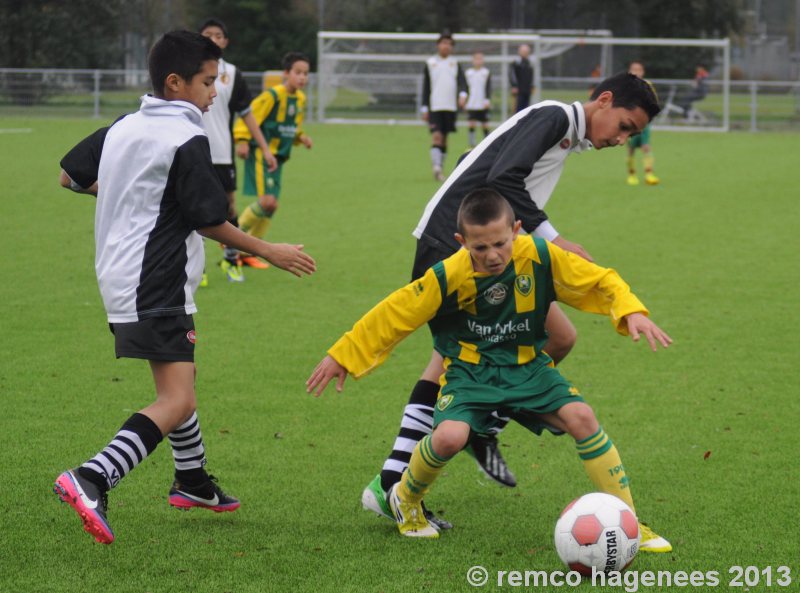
(479,85)
(444,92)
(642,141)
(233,97)
(279,112)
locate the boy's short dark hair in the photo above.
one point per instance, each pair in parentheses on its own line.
(292,57)
(213,22)
(630,92)
(482,206)
(179,52)
(445,35)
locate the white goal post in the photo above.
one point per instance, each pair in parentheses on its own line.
(370,77)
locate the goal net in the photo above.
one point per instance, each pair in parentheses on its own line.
(366,77)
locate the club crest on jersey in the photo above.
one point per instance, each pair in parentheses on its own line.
(523,284)
(191,336)
(495,294)
(443,402)
(291,110)
(565,143)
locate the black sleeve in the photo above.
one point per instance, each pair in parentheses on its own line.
(240,97)
(512,74)
(461,80)
(426,87)
(525,144)
(198,190)
(82,162)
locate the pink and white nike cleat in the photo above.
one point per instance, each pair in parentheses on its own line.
(89,502)
(206,496)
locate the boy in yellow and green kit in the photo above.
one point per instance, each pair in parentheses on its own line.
(486,306)
(279,112)
(641,141)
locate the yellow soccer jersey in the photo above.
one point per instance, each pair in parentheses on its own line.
(280,115)
(487,319)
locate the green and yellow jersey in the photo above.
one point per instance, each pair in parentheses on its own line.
(485,319)
(280,115)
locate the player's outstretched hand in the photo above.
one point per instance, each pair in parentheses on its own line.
(290,258)
(573,247)
(306,141)
(326,370)
(639,324)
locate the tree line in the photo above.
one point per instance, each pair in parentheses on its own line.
(101,33)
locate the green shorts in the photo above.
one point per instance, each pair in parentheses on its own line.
(258,181)
(473,393)
(642,139)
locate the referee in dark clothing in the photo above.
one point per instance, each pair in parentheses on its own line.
(521,78)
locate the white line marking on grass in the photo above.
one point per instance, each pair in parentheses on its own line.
(16,130)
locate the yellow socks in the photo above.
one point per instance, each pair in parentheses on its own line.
(605,469)
(259,229)
(631,162)
(648,160)
(254,221)
(424,467)
(248,218)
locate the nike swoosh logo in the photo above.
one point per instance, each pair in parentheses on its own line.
(209,501)
(88,502)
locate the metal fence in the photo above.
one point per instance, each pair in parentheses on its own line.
(102,94)
(106,94)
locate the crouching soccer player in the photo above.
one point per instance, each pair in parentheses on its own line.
(486,306)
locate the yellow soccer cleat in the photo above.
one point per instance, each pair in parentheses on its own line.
(651,179)
(410,517)
(650,541)
(233,270)
(633,180)
(204,280)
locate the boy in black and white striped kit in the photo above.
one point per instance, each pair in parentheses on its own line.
(479,83)
(444,92)
(157,192)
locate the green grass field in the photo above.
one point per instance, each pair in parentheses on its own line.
(707,429)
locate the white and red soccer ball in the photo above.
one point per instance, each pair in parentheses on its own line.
(597,531)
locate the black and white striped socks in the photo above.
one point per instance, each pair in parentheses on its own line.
(188,451)
(417,422)
(136,439)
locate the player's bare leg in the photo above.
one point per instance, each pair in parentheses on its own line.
(255,221)
(649,161)
(438,150)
